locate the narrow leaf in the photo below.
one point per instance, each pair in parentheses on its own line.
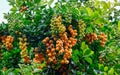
(118,25)
(89,60)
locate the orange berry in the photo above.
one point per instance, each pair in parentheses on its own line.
(57,48)
(36,55)
(54,53)
(40,67)
(53,57)
(62,62)
(55,39)
(47,51)
(47,44)
(66,47)
(50,41)
(49,54)
(70,46)
(50,59)
(46,40)
(55,62)
(53,49)
(66,62)
(69,41)
(61,52)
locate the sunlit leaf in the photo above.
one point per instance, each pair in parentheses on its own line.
(50,2)
(119,25)
(89,60)
(111,71)
(89,10)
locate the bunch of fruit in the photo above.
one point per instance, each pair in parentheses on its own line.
(59,46)
(68,43)
(50,50)
(68,17)
(101,59)
(90,37)
(103,39)
(57,26)
(23,46)
(18,33)
(63,46)
(72,32)
(82,27)
(23,8)
(38,56)
(7,41)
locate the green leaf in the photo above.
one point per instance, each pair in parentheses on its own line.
(116,73)
(109,4)
(119,25)
(75,56)
(87,52)
(76,52)
(104,73)
(105,68)
(89,10)
(83,11)
(96,3)
(111,71)
(13,9)
(104,5)
(75,59)
(43,2)
(50,2)
(89,60)
(101,67)
(84,46)
(11,73)
(89,29)
(1,72)
(43,64)
(37,70)
(37,1)
(99,21)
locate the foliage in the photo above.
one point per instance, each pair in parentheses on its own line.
(70,38)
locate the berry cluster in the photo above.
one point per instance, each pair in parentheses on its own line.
(18,33)
(26,59)
(103,39)
(50,50)
(8,40)
(72,32)
(82,27)
(90,37)
(68,43)
(68,17)
(63,46)
(101,59)
(38,56)
(57,26)
(23,46)
(23,8)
